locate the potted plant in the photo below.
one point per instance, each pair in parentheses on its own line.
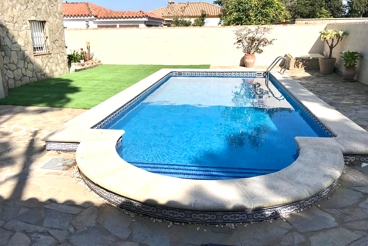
(350,59)
(332,38)
(251,40)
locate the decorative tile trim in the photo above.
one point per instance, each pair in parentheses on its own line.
(300,104)
(126,107)
(219,74)
(348,159)
(208,217)
(59,146)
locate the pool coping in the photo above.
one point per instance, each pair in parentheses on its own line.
(320,162)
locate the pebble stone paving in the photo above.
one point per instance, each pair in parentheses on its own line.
(42,201)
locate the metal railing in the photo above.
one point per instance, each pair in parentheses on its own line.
(284,66)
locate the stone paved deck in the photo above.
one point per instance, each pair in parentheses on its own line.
(42,204)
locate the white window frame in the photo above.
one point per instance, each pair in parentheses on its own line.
(39,37)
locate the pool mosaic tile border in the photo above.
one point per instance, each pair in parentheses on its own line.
(219,74)
(349,159)
(208,217)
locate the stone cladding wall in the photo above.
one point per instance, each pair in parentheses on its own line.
(20,65)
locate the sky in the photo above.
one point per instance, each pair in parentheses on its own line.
(146,5)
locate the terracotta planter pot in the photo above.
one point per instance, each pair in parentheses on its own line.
(327,65)
(348,73)
(249,60)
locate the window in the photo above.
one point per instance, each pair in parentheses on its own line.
(38,36)
(127,26)
(106,26)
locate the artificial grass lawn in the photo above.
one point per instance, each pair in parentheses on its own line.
(83,89)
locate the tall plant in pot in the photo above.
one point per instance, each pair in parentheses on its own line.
(332,39)
(350,59)
(251,40)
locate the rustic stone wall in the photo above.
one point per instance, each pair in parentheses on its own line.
(20,64)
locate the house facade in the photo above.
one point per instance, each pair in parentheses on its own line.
(189,11)
(88,15)
(32,43)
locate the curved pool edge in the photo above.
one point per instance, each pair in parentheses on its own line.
(351,140)
(311,177)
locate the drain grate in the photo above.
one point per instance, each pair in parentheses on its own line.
(59,164)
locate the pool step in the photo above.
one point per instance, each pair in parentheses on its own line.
(201,172)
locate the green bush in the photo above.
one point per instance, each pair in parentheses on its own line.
(76,56)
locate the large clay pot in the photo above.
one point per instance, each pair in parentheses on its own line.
(348,73)
(249,60)
(326,65)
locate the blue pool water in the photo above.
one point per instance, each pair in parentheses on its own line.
(213,128)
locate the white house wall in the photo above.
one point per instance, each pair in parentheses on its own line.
(212,22)
(79,23)
(93,23)
(208,21)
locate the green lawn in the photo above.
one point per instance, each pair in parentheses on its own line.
(83,89)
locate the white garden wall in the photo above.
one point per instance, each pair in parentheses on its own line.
(355,41)
(212,45)
(193,45)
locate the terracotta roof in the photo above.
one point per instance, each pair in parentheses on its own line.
(188,9)
(82,9)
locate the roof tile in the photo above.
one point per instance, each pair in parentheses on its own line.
(83,9)
(188,9)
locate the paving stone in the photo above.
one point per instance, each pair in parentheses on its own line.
(71,229)
(86,218)
(43,240)
(361,233)
(342,198)
(31,216)
(23,210)
(1,223)
(356,213)
(360,242)
(358,225)
(363,189)
(127,244)
(263,233)
(4,237)
(93,236)
(66,244)
(364,204)
(224,230)
(56,219)
(19,239)
(293,238)
(333,237)
(59,164)
(353,178)
(153,234)
(194,234)
(115,221)
(61,236)
(30,203)
(16,225)
(9,212)
(313,219)
(64,208)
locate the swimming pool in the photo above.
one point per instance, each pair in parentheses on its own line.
(213,128)
(308,179)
